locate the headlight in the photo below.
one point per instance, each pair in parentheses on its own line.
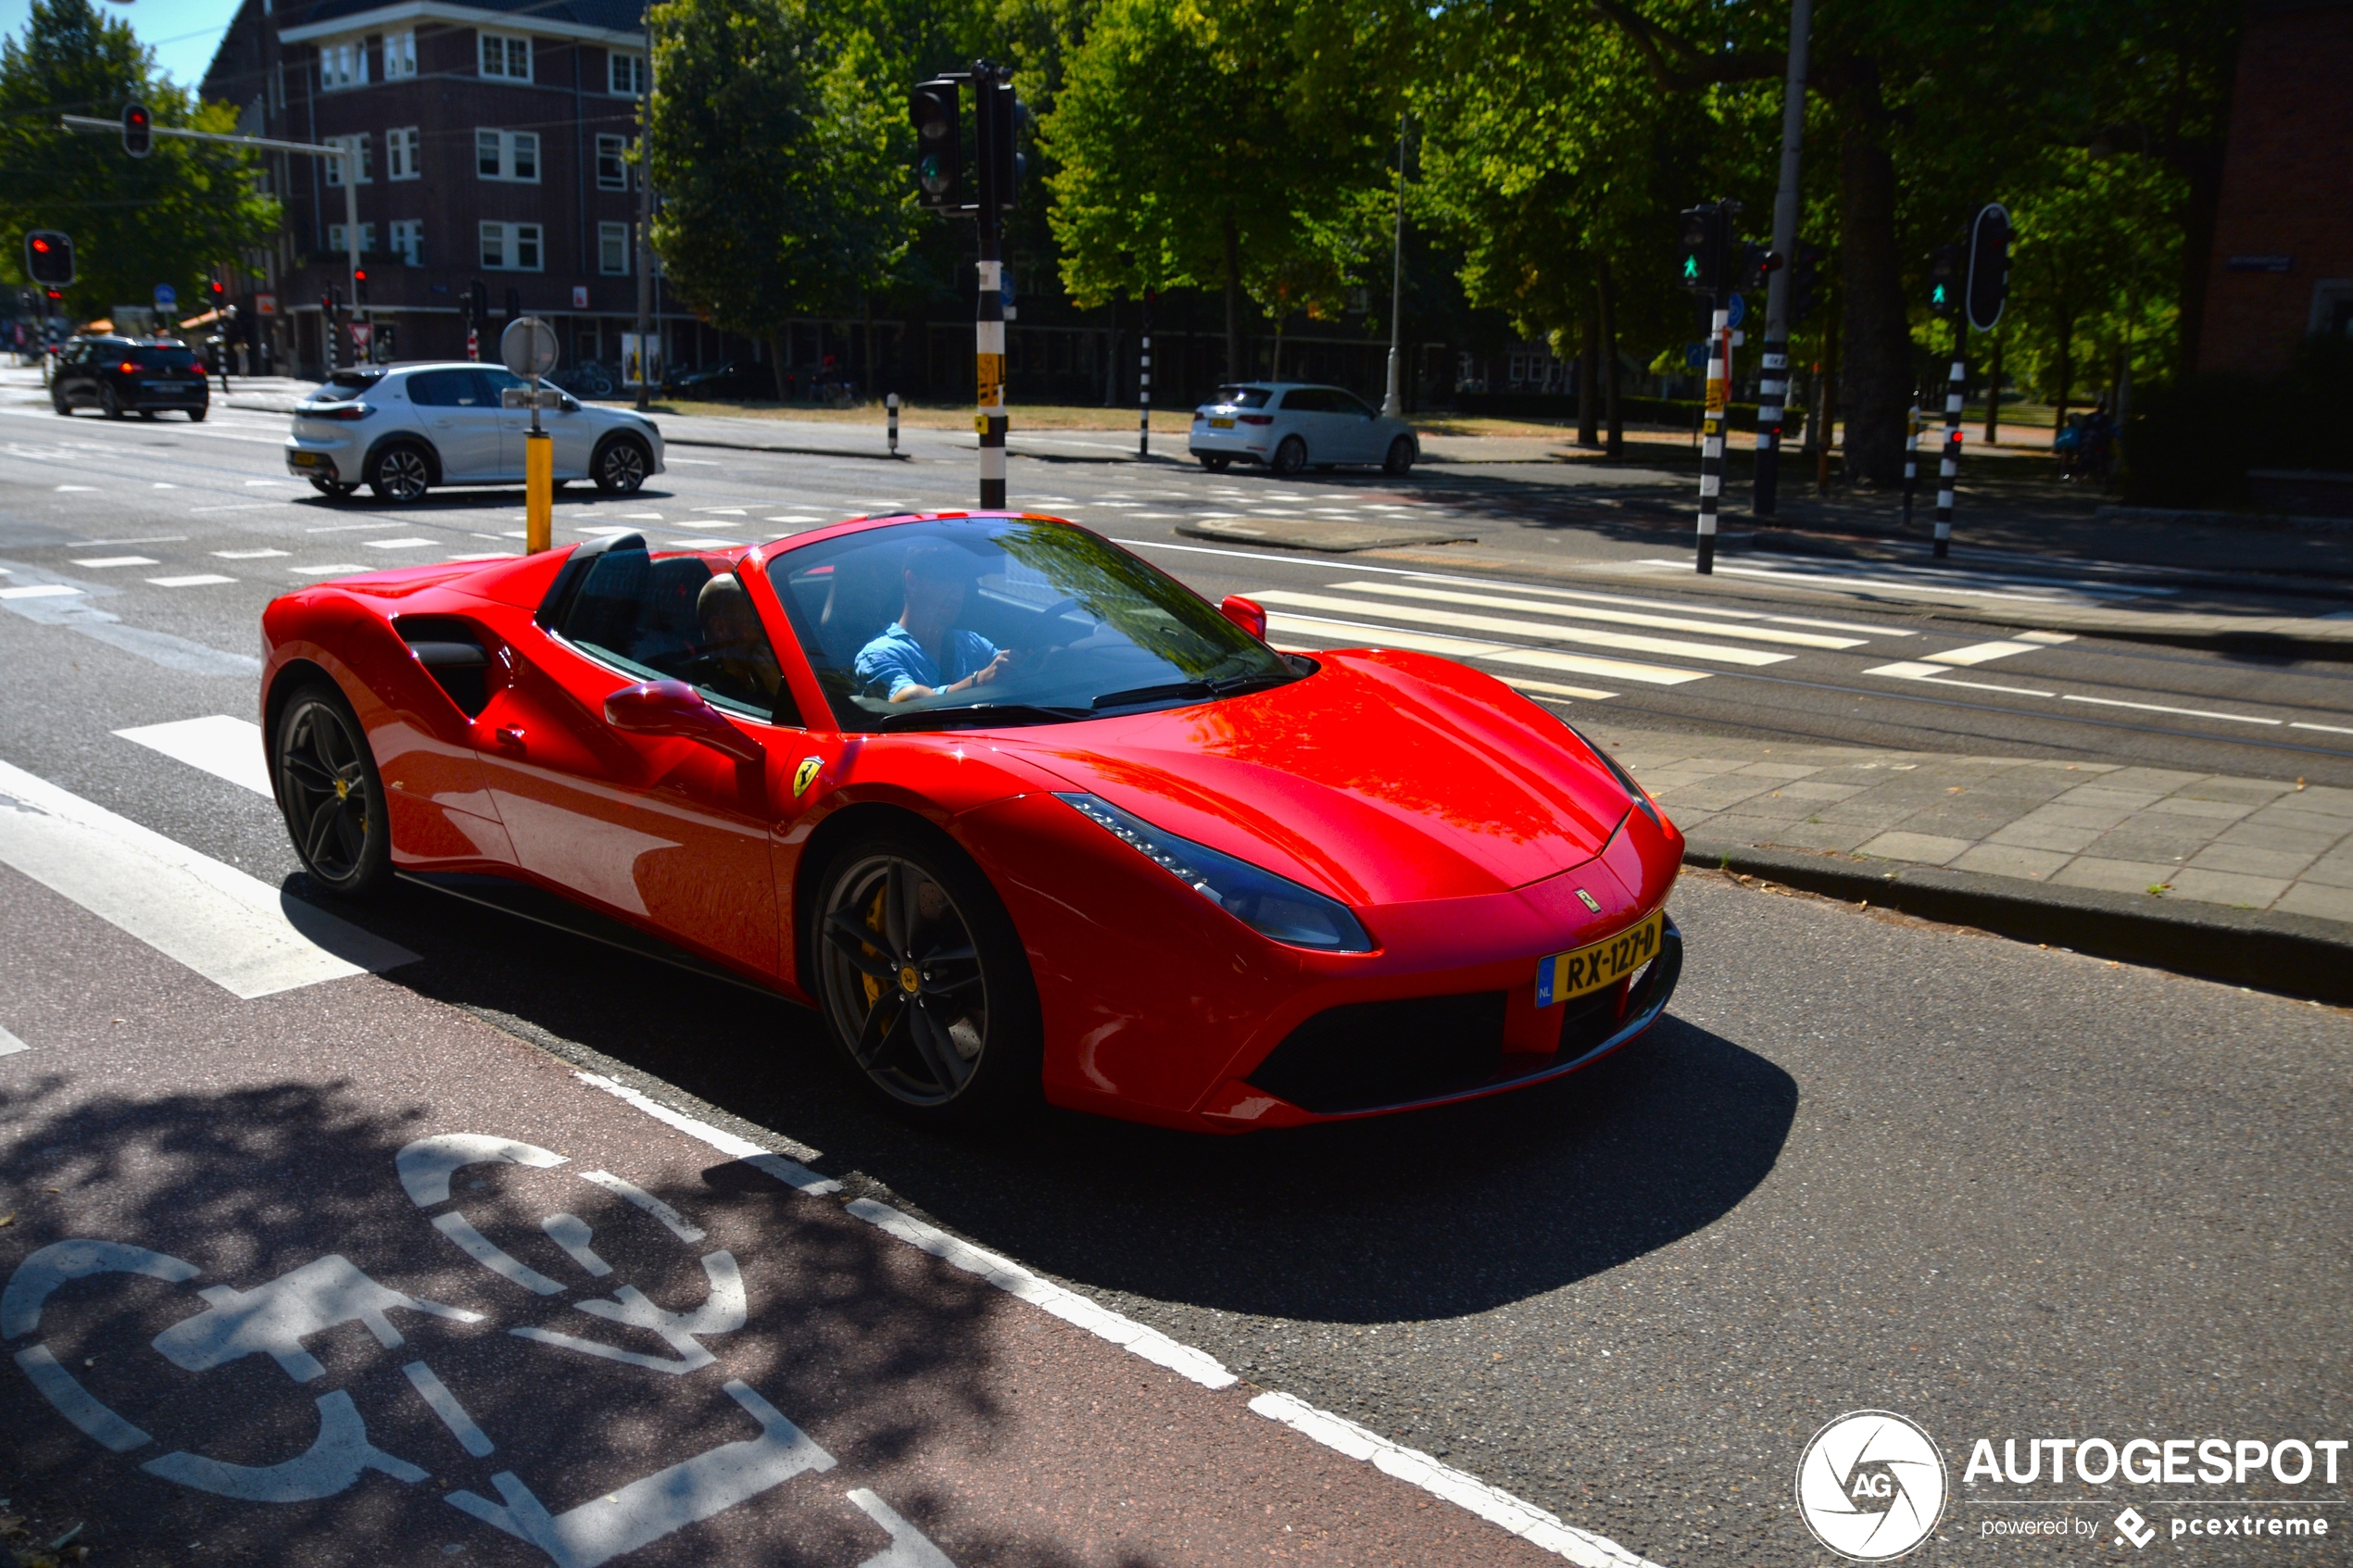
(1273,906)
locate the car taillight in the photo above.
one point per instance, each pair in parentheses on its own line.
(339,411)
(128,367)
(1256,419)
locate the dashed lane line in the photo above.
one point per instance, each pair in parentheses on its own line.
(101,562)
(1537,1526)
(244,935)
(191,580)
(10,1045)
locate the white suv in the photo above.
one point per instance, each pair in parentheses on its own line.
(404,430)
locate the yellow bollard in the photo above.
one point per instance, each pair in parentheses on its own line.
(539,491)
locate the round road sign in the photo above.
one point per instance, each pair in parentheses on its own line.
(528,347)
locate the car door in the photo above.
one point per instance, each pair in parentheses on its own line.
(514,424)
(1356,428)
(1302,415)
(665,831)
(463,426)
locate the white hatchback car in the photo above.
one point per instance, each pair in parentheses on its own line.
(1290,426)
(405,430)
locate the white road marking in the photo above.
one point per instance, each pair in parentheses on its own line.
(680,1226)
(150,539)
(1614,617)
(39,591)
(791,1172)
(1930,585)
(1936,675)
(248,938)
(2159,708)
(1546,688)
(241,507)
(249,555)
(65,487)
(350,527)
(10,1045)
(1980,653)
(1751,656)
(104,561)
(1359,633)
(713,522)
(335,569)
(160,484)
(225,747)
(443,1403)
(193,580)
(2330,729)
(411,542)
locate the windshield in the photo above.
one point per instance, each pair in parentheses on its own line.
(1005,621)
(1243,396)
(163,359)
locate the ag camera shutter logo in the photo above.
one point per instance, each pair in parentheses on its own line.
(1871,1485)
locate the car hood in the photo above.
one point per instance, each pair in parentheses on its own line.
(1383,777)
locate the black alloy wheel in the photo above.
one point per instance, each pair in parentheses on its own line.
(1211,461)
(399,473)
(620,467)
(922,981)
(1400,460)
(332,795)
(108,404)
(1289,457)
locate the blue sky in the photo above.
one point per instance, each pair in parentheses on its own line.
(182,33)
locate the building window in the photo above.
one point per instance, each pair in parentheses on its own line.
(367,238)
(511,247)
(612,249)
(625,75)
(507,155)
(613,163)
(506,56)
(364,145)
(343,65)
(409,240)
(400,55)
(400,153)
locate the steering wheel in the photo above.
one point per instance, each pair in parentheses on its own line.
(1046,619)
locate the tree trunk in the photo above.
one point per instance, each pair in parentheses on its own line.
(1605,295)
(777,362)
(1878,372)
(2198,213)
(1234,371)
(1589,413)
(2066,375)
(1830,409)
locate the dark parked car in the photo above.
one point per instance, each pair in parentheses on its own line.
(732,378)
(118,376)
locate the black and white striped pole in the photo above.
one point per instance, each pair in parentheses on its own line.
(1711,452)
(1983,295)
(1951,463)
(890,412)
(1144,386)
(1911,459)
(988,333)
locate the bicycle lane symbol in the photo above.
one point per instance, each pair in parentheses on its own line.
(275,1317)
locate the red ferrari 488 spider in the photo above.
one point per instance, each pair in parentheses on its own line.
(1017,813)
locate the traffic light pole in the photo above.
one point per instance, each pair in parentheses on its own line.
(1772,388)
(1711,453)
(989,330)
(1952,463)
(1144,386)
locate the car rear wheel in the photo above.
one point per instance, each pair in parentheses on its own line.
(1289,457)
(1400,460)
(58,401)
(1209,460)
(620,466)
(195,415)
(332,795)
(399,473)
(924,982)
(108,404)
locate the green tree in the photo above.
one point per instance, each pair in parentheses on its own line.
(1233,144)
(777,145)
(166,219)
(2095,264)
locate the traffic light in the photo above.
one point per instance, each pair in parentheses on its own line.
(138,130)
(936,109)
(219,292)
(1006,165)
(477,306)
(1989,266)
(360,286)
(327,304)
(514,303)
(1945,279)
(48,258)
(1699,256)
(1805,282)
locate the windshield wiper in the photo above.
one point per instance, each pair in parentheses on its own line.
(1229,687)
(978,713)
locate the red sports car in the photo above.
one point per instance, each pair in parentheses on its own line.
(1016,811)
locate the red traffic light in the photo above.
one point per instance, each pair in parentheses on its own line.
(40,245)
(138,130)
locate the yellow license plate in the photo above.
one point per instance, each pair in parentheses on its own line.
(1575,973)
(1221,424)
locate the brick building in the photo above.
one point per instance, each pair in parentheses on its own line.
(491,136)
(2282,262)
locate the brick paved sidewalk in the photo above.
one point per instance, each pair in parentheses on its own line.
(2255,844)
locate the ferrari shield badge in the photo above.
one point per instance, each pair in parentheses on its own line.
(1591,902)
(803,775)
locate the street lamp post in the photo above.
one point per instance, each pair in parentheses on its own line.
(1392,405)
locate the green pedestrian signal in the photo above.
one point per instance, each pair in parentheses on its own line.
(1691,270)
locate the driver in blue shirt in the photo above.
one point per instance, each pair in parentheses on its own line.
(923,653)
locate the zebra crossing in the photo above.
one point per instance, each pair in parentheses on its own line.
(1523,628)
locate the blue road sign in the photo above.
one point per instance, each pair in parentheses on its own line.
(166,297)
(1695,356)
(1736,312)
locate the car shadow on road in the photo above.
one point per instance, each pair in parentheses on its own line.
(1434,1214)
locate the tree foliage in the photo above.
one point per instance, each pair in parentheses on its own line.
(135,222)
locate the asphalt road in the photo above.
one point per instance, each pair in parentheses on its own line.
(2007,1192)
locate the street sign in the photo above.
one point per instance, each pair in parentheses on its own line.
(1695,356)
(1736,311)
(528,347)
(166,297)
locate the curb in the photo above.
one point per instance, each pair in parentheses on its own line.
(2294,955)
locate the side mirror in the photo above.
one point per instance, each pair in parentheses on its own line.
(1247,614)
(674,707)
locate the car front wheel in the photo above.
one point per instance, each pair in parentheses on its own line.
(1289,457)
(332,795)
(1400,460)
(620,467)
(924,982)
(108,404)
(399,473)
